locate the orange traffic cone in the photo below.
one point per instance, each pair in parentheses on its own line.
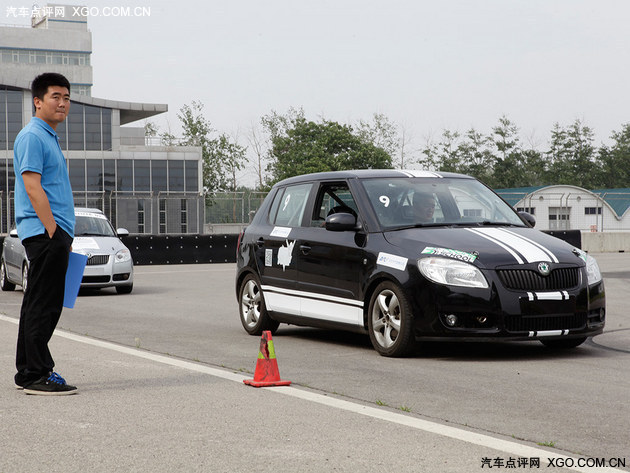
(266,373)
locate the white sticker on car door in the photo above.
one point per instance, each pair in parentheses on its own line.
(281,232)
(392,261)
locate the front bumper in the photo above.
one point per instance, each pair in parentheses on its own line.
(498,313)
(100,273)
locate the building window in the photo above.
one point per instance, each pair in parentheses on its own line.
(94,175)
(559,218)
(592,210)
(10,116)
(159,176)
(192,176)
(529,210)
(124,175)
(142,175)
(176,176)
(76,170)
(472,212)
(163,219)
(184,216)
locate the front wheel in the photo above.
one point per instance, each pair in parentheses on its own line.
(252,311)
(5,284)
(389,321)
(563,344)
(24,276)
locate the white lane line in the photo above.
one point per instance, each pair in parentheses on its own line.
(455,433)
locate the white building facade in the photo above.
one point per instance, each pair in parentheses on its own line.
(146,189)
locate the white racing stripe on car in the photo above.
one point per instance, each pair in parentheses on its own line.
(538,245)
(530,251)
(493,240)
(512,447)
(548,296)
(412,173)
(310,304)
(312,295)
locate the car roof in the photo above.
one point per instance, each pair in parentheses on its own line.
(88,210)
(368,174)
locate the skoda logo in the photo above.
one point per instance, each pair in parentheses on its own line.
(544,269)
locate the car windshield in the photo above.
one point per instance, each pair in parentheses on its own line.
(425,202)
(92,225)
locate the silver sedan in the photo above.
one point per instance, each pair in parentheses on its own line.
(109,260)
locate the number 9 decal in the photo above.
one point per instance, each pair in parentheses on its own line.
(384,200)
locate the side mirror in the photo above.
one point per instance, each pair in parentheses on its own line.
(341,222)
(528,218)
(122,232)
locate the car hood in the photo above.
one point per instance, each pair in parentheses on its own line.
(97,245)
(486,247)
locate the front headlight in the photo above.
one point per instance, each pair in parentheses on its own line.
(451,272)
(123,256)
(592,270)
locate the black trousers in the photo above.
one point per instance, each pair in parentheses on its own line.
(42,304)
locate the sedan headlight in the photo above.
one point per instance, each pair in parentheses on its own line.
(451,272)
(123,256)
(592,270)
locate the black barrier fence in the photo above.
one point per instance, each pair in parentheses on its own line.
(181,249)
(191,249)
(573,237)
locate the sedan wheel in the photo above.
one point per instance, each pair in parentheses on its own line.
(5,284)
(24,276)
(254,316)
(389,321)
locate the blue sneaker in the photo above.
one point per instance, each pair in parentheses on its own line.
(51,385)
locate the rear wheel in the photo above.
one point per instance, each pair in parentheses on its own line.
(252,311)
(5,284)
(389,321)
(564,343)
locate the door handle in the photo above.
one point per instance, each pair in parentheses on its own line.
(305,249)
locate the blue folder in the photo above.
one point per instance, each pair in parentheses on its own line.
(74,276)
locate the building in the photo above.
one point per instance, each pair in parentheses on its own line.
(145,189)
(564,207)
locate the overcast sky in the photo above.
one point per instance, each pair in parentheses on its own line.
(427,65)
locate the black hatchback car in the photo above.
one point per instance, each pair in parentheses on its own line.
(406,255)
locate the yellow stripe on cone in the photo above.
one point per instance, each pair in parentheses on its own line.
(266,373)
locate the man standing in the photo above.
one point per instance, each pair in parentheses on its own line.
(44,214)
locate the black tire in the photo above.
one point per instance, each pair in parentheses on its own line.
(24,276)
(563,344)
(251,308)
(389,321)
(124,289)
(5,284)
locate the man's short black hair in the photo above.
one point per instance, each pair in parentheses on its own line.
(40,84)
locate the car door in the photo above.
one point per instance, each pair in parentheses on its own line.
(277,239)
(330,263)
(13,255)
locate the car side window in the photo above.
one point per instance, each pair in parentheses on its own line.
(288,206)
(333,198)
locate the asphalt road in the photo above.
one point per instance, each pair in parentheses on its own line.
(150,414)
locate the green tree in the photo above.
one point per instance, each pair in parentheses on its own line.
(301,146)
(444,155)
(614,161)
(572,156)
(514,166)
(221,156)
(476,158)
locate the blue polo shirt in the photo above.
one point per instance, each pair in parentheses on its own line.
(37,149)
